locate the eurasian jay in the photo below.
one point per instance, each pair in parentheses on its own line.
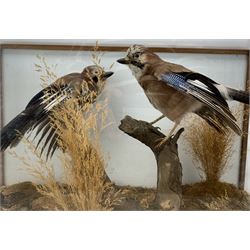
(90,82)
(175,90)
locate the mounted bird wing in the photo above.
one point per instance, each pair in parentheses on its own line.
(40,107)
(204,90)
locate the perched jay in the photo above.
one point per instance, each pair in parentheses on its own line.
(37,112)
(175,90)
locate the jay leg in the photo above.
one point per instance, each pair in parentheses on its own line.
(163,141)
(156,120)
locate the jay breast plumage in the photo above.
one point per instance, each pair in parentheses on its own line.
(175,90)
(37,114)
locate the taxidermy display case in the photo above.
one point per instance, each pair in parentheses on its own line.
(102,153)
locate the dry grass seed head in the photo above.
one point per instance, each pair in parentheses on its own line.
(211,150)
(46,71)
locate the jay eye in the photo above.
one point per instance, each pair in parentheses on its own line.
(136,55)
(95,79)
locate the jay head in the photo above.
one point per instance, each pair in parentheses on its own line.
(176,90)
(96,75)
(137,57)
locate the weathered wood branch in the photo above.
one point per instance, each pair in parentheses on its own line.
(169,169)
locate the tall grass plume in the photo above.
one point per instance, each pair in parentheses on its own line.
(211,151)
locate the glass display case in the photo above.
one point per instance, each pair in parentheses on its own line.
(129,164)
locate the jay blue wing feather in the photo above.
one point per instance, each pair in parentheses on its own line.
(207,95)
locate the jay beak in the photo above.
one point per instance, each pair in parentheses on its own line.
(175,90)
(37,112)
(107,74)
(123,61)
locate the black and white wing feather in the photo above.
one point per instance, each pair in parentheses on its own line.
(37,115)
(46,100)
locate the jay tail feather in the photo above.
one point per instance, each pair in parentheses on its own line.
(238,95)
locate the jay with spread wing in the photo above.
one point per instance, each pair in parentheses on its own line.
(175,90)
(37,113)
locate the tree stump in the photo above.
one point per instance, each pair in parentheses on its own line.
(169,169)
